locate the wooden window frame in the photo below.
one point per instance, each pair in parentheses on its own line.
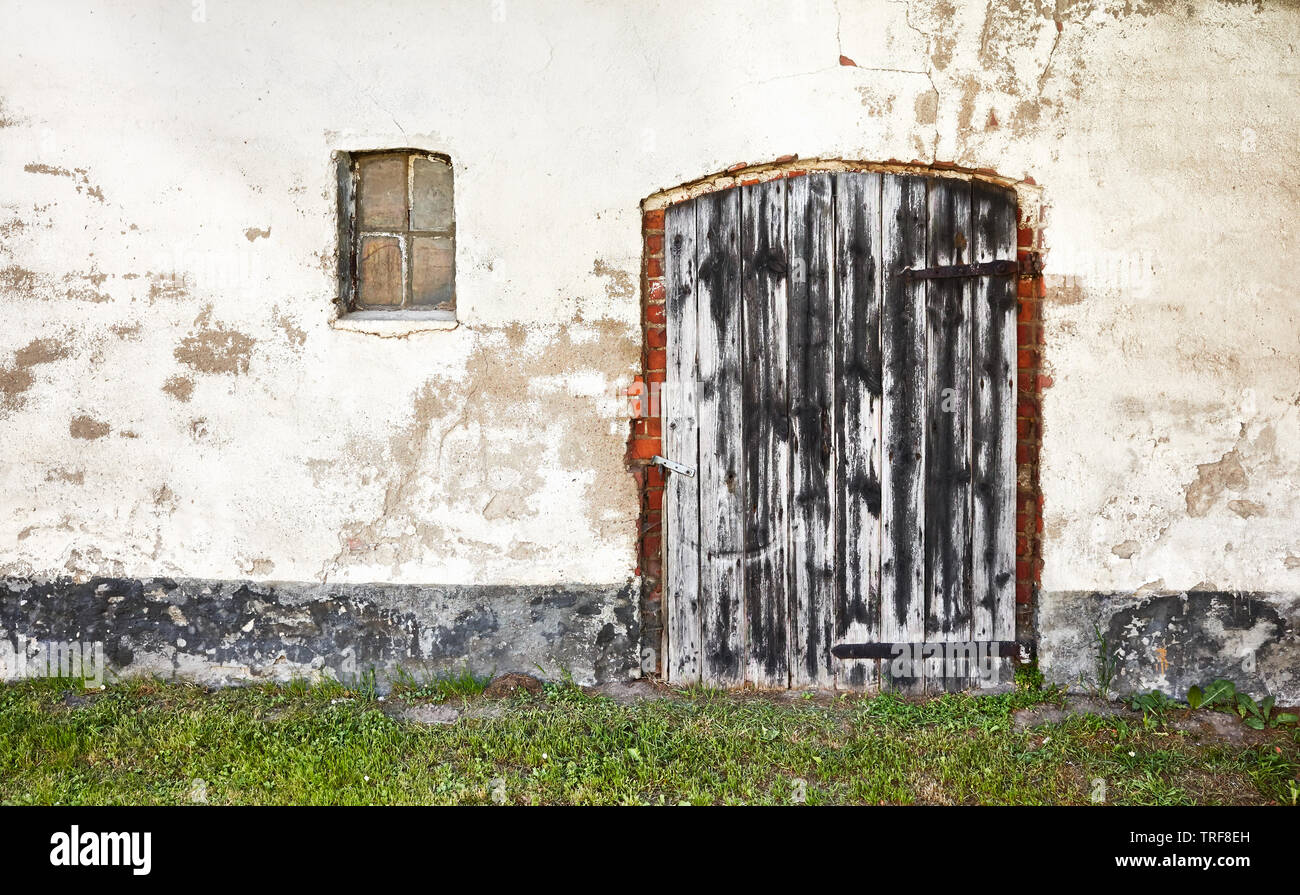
(350,234)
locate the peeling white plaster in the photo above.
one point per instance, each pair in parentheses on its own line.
(1160,136)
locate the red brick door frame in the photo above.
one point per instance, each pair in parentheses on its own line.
(644,441)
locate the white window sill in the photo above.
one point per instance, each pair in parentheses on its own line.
(396,323)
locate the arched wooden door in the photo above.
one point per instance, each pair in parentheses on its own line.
(841,362)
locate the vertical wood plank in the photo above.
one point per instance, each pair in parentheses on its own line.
(681,442)
(721,478)
(994,420)
(948,407)
(858,421)
(765,410)
(810,223)
(903,349)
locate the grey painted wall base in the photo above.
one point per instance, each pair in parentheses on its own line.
(222,632)
(1169,642)
(227,632)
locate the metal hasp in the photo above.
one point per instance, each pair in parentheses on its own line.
(1030,265)
(1006,649)
(673,466)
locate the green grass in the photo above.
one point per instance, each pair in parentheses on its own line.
(439,688)
(147,742)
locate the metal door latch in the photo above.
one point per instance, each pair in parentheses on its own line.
(673,466)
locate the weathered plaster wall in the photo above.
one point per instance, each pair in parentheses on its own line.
(174,400)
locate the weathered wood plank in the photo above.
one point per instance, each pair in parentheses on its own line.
(765,414)
(903,352)
(857,424)
(679,409)
(811,227)
(993,421)
(948,446)
(854,437)
(721,479)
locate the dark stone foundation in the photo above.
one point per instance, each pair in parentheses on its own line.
(226,632)
(1170,642)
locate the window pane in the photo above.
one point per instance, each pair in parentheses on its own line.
(431,205)
(433,263)
(381,270)
(382,198)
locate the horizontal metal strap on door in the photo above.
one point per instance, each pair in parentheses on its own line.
(952,271)
(1030,264)
(1006,649)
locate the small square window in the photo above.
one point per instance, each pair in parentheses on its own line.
(397,232)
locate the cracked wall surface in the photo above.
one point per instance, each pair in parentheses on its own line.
(176,398)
